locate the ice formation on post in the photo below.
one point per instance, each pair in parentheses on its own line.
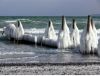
(50,32)
(75,37)
(88,42)
(94,29)
(64,35)
(19,31)
(10,30)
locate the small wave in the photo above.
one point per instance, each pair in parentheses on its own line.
(13,21)
(18,58)
(25,20)
(70,22)
(11,53)
(10,21)
(40,22)
(1,29)
(35,30)
(97,22)
(57,23)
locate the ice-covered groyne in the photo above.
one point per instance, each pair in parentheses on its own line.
(19,31)
(37,40)
(10,30)
(64,35)
(75,36)
(50,32)
(88,42)
(50,37)
(94,30)
(85,40)
(14,31)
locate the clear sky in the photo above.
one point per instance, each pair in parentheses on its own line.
(49,7)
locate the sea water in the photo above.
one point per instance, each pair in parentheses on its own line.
(16,52)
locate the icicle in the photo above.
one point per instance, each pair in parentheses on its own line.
(19,31)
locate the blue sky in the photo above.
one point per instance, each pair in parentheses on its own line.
(49,7)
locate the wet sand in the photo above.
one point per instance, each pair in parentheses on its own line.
(50,69)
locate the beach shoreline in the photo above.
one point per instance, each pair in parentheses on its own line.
(48,69)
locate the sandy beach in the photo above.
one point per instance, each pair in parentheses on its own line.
(51,69)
